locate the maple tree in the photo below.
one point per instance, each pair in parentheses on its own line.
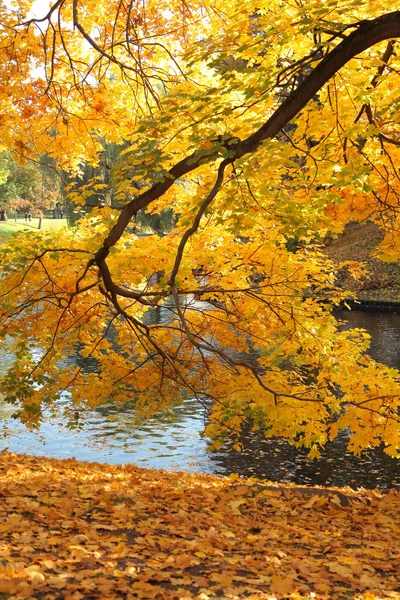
(256,124)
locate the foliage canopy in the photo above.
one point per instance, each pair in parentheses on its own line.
(255,122)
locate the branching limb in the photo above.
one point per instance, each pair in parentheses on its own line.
(367,34)
(196,222)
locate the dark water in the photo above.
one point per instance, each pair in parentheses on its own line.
(384,329)
(175,444)
(278,461)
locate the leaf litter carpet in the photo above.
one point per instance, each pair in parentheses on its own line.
(75,531)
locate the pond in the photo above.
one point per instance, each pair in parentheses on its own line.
(174,443)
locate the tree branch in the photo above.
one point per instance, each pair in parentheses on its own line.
(367,34)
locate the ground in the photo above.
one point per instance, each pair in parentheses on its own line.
(358,242)
(75,531)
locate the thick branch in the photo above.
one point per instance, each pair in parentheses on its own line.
(367,34)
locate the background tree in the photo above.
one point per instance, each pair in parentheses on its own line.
(28,187)
(20,190)
(105,193)
(254,124)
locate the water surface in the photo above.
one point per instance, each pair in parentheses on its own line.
(174,443)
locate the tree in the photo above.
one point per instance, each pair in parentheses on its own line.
(255,124)
(20,184)
(27,187)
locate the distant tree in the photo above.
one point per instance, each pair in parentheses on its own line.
(32,186)
(101,176)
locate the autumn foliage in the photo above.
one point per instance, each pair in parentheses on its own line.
(72,530)
(263,126)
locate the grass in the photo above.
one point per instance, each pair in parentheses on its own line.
(7,228)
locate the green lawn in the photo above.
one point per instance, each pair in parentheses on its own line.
(9,227)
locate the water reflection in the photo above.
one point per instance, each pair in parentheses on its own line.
(385,331)
(164,441)
(276,460)
(172,441)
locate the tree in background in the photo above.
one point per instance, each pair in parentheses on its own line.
(20,187)
(27,187)
(255,124)
(104,194)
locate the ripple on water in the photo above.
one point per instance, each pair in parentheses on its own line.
(176,444)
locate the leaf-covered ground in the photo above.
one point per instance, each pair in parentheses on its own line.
(75,530)
(359,242)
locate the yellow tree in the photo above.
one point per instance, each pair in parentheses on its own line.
(255,122)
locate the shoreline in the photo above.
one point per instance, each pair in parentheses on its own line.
(372,305)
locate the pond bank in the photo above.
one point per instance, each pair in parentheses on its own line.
(359,242)
(371,305)
(77,530)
